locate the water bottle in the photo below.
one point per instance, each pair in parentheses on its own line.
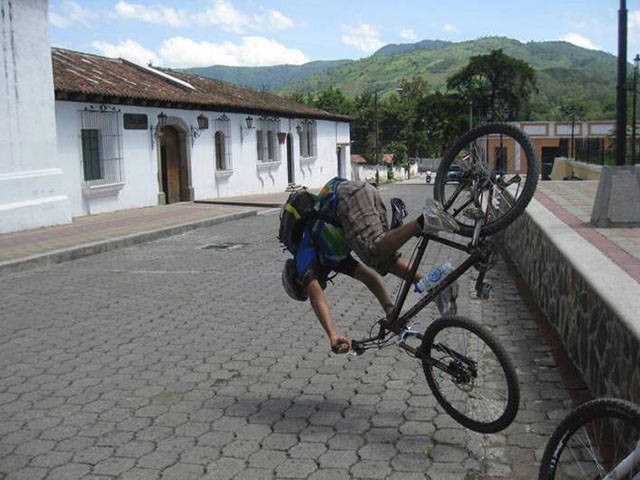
(434,277)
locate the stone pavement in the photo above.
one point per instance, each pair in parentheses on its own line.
(182,358)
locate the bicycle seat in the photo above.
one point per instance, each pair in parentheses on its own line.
(398,212)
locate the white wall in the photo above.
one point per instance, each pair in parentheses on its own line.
(32,189)
(140,187)
(141,158)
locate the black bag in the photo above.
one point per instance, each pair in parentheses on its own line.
(296,213)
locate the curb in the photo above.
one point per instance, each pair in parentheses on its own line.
(241,203)
(73,253)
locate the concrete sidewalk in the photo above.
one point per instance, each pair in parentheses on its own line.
(93,234)
(572,203)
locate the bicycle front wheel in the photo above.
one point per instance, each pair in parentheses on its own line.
(490,174)
(599,439)
(470,374)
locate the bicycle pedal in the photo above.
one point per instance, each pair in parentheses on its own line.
(474,213)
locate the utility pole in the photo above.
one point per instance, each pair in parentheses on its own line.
(375,113)
(634,154)
(621,123)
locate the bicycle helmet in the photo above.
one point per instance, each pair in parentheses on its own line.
(291,284)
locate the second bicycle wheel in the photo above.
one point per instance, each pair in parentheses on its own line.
(470,374)
(490,173)
(593,441)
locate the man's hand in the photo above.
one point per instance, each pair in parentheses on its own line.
(340,344)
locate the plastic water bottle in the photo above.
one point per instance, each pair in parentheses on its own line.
(434,277)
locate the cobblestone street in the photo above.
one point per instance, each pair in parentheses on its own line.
(184,359)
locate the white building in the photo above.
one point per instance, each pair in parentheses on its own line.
(83,134)
(33,187)
(132,136)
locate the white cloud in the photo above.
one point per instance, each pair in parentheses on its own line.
(128,49)
(579,41)
(634,29)
(252,51)
(364,37)
(152,14)
(224,15)
(277,20)
(447,27)
(72,13)
(58,20)
(408,34)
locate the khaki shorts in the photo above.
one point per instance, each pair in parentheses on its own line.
(363,217)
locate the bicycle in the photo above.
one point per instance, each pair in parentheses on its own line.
(466,368)
(599,440)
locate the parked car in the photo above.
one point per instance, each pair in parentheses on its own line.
(454,174)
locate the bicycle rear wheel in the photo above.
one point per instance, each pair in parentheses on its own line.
(491,172)
(592,440)
(470,374)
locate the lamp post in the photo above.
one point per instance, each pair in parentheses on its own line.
(572,147)
(634,155)
(621,101)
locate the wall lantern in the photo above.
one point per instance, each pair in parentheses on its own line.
(249,121)
(162,121)
(299,129)
(203,122)
(157,130)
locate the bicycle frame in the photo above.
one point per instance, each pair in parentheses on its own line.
(479,249)
(626,466)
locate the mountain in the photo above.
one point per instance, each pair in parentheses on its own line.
(564,71)
(265,78)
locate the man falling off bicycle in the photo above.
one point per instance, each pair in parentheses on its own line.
(354,218)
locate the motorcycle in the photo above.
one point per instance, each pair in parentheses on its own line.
(428,177)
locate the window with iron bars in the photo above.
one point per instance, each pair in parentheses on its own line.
(308,138)
(222,144)
(101,146)
(267,140)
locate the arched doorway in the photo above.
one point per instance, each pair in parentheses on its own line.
(172,163)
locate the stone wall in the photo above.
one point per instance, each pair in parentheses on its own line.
(602,341)
(563,167)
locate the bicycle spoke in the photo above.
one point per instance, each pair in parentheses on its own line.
(596,445)
(468,377)
(492,158)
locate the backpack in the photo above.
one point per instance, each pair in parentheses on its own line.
(297,212)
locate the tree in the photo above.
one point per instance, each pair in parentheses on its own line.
(498,85)
(443,119)
(333,100)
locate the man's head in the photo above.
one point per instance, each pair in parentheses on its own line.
(290,282)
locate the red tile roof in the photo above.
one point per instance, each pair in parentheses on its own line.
(358,159)
(86,77)
(388,158)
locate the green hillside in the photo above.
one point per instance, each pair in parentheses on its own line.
(564,71)
(265,78)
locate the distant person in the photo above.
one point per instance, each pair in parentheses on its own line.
(352,217)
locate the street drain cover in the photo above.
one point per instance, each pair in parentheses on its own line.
(224,246)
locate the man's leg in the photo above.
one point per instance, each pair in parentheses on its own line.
(392,240)
(374,284)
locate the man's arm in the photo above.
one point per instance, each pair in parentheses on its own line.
(339,344)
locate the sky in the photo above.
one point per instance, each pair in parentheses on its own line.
(190,33)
